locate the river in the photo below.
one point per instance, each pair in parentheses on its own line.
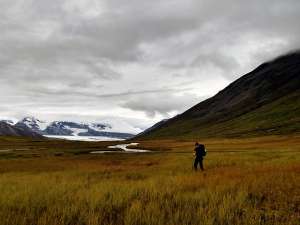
(122,148)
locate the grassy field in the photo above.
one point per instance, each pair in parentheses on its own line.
(246,181)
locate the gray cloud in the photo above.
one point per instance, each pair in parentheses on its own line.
(163,103)
(144,60)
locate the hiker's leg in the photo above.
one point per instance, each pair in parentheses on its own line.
(201,164)
(195,163)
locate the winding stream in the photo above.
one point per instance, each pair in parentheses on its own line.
(122,148)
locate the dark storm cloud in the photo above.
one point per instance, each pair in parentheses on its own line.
(156,58)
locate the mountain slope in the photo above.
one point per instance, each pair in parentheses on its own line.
(157,125)
(33,124)
(7,129)
(264,101)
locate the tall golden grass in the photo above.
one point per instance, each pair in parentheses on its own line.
(249,181)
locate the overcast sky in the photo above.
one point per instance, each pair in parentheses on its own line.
(132,63)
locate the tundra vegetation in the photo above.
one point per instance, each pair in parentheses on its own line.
(247,181)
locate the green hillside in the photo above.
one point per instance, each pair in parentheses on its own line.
(279,117)
(264,102)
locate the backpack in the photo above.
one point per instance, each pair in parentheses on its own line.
(203,150)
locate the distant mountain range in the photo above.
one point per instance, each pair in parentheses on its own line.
(265,101)
(8,129)
(35,127)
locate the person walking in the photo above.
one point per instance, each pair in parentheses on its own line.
(199,153)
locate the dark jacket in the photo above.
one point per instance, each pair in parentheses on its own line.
(200,151)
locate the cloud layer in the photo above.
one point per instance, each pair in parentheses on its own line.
(135,62)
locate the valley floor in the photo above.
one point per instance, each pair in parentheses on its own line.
(247,181)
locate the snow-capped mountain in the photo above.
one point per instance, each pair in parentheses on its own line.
(32,123)
(76,129)
(67,128)
(7,128)
(10,122)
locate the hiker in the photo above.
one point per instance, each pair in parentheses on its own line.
(200,152)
